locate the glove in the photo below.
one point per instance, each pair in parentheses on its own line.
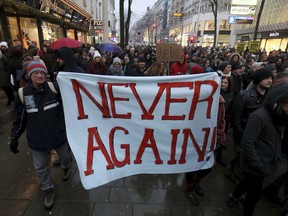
(13,145)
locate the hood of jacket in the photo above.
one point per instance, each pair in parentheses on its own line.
(275,95)
(68,57)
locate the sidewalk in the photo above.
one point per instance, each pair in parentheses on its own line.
(139,195)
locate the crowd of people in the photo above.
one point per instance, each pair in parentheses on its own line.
(253,107)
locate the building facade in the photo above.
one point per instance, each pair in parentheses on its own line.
(273,27)
(41,20)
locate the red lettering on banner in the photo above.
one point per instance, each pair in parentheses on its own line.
(113,99)
(174,133)
(170,100)
(209,99)
(104,108)
(126,159)
(93,132)
(148,135)
(201,153)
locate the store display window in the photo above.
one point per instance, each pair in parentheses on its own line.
(51,32)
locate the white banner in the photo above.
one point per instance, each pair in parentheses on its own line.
(121,126)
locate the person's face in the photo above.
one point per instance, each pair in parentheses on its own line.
(44,49)
(227,69)
(255,68)
(38,78)
(104,59)
(141,64)
(274,73)
(279,62)
(266,83)
(60,62)
(224,84)
(238,72)
(207,63)
(3,48)
(284,107)
(235,58)
(117,65)
(97,59)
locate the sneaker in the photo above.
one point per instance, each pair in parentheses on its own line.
(235,204)
(191,197)
(66,172)
(198,190)
(49,198)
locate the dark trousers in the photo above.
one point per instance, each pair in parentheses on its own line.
(196,177)
(252,185)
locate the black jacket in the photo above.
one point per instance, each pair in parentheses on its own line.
(42,116)
(261,141)
(247,102)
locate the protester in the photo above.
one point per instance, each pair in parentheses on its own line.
(261,146)
(179,67)
(156,69)
(116,68)
(246,103)
(139,70)
(97,66)
(224,68)
(41,104)
(5,79)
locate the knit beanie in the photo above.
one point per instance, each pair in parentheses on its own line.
(96,54)
(223,65)
(237,66)
(141,59)
(116,60)
(35,66)
(261,74)
(196,69)
(26,61)
(270,67)
(3,43)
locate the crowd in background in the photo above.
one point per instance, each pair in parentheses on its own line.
(245,81)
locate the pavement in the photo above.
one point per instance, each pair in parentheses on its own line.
(138,195)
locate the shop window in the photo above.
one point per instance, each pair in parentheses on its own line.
(224,25)
(28,32)
(209,25)
(51,32)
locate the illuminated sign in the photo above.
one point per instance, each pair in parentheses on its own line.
(176,14)
(244,2)
(242,10)
(240,20)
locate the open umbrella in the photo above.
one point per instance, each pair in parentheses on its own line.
(108,47)
(67,42)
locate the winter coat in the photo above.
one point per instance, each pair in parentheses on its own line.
(246,103)
(178,69)
(221,137)
(261,141)
(42,116)
(4,74)
(229,99)
(113,71)
(97,68)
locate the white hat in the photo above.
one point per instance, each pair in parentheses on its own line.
(3,43)
(96,54)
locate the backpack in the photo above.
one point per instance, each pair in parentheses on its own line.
(21,95)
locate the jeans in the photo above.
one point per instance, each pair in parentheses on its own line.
(42,160)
